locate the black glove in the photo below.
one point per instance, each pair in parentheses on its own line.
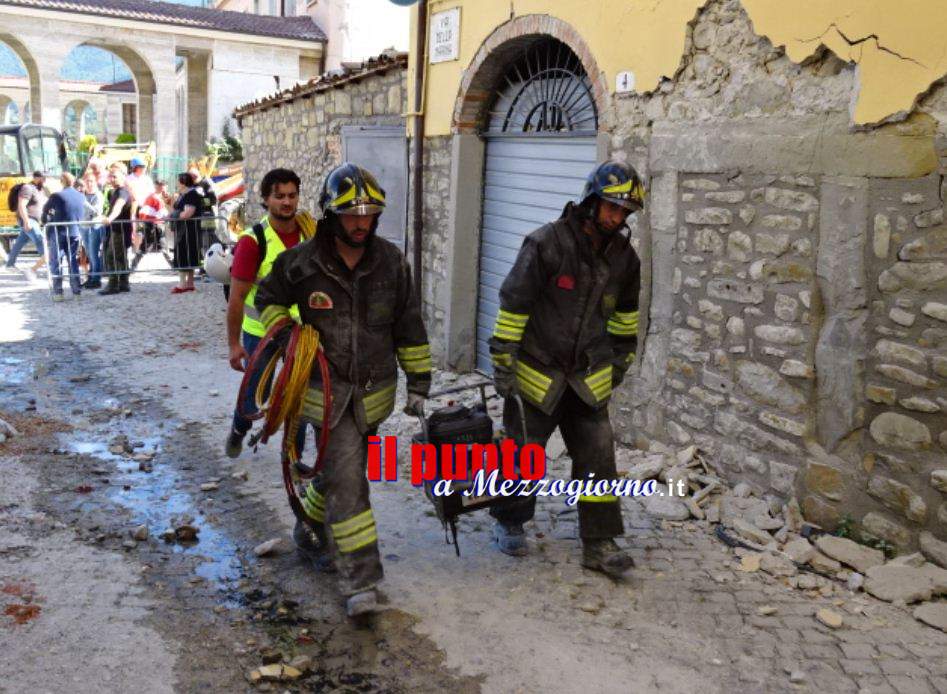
(414,405)
(504,381)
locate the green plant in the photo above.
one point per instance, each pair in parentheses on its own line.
(234,143)
(125,139)
(878,543)
(88,143)
(218,148)
(846,527)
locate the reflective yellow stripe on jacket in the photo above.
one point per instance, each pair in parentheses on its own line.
(314,504)
(623,324)
(533,385)
(600,383)
(415,360)
(509,327)
(354,533)
(252,320)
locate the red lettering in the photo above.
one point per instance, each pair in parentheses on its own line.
(483,456)
(508,452)
(533,461)
(454,462)
(374,458)
(423,463)
(391,458)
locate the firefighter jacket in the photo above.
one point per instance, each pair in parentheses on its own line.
(568,314)
(365,318)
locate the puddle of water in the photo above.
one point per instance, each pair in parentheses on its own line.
(154,500)
(13,371)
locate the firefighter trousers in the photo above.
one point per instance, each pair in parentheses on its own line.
(338,499)
(587,433)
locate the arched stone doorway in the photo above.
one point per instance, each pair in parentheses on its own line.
(526,133)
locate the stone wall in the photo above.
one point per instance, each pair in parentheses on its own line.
(793,320)
(305,134)
(783,247)
(436,284)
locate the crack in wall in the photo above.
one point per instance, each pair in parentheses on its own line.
(858,42)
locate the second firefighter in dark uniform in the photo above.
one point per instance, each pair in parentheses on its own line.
(355,289)
(565,335)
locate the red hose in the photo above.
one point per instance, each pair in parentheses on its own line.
(273,405)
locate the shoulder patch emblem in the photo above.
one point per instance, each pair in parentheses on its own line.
(320,301)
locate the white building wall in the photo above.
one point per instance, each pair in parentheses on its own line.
(241,73)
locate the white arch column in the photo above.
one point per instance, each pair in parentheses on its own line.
(46,105)
(164,114)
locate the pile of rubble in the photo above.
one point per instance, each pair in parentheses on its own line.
(771,536)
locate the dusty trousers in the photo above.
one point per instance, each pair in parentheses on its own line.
(587,433)
(338,500)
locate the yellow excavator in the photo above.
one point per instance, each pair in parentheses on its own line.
(23,150)
(30,147)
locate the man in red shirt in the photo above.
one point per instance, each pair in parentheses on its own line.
(257,248)
(153,211)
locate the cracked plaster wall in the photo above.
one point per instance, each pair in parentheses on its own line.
(780,248)
(899,53)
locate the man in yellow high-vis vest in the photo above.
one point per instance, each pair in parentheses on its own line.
(257,248)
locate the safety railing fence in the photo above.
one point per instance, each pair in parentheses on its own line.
(115,249)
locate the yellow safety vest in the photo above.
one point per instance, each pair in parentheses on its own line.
(274,246)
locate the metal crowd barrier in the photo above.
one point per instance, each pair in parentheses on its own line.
(117,248)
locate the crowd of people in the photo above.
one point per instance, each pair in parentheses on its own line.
(95,221)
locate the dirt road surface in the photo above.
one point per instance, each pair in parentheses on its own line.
(122,404)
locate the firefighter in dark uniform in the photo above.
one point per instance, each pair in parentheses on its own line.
(355,289)
(565,335)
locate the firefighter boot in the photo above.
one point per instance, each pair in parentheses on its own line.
(606,556)
(511,539)
(234,444)
(313,545)
(362,603)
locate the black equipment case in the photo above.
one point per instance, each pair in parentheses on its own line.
(458,425)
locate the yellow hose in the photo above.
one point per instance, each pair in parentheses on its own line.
(284,409)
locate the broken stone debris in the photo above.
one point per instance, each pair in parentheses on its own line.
(933,614)
(266,548)
(829,618)
(850,553)
(778,535)
(275,672)
(7,430)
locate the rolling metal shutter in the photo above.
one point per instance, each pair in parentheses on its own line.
(527,181)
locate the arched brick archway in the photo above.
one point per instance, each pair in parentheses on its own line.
(500,49)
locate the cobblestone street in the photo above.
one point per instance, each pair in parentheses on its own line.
(686,617)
